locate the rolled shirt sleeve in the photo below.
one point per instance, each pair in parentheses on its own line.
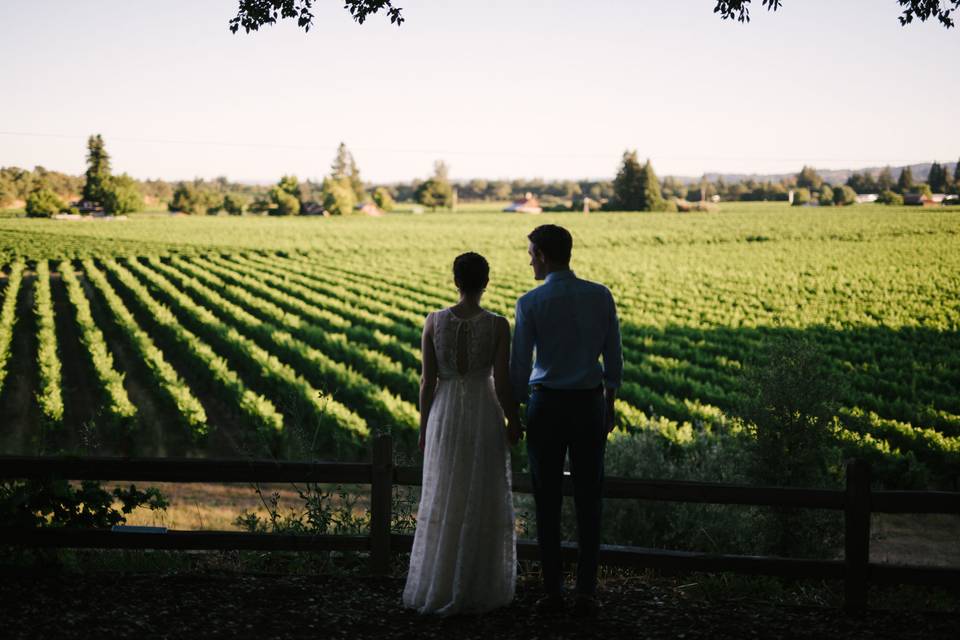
(612,350)
(521,356)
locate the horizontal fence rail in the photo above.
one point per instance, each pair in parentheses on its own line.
(857,501)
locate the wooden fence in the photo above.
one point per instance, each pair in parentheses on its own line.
(858,501)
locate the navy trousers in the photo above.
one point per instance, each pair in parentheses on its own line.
(559,421)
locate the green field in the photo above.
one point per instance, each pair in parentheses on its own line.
(238,336)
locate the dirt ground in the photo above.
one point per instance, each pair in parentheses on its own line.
(59,605)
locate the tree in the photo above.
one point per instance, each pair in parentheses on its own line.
(937,179)
(809,178)
(235,204)
(196,198)
(383,199)
(844,196)
(826,196)
(121,195)
(98,169)
(905,181)
(956,174)
(338,197)
(437,191)
(885,180)
(253,14)
(889,197)
(636,187)
(922,10)
(344,169)
(43,203)
(284,197)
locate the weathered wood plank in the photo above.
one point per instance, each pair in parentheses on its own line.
(179,540)
(182,470)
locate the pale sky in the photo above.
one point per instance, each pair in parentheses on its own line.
(497,88)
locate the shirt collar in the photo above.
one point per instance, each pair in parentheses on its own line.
(565,274)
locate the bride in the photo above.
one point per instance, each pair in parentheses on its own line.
(464,551)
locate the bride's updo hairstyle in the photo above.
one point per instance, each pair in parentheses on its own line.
(471,272)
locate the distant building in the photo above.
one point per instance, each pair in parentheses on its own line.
(370,209)
(866,197)
(528,204)
(923,200)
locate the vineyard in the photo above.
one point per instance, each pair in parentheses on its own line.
(300,337)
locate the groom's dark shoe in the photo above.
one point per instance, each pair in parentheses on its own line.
(550,605)
(585,606)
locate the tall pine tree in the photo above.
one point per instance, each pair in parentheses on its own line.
(344,169)
(937,178)
(905,181)
(636,187)
(98,169)
(885,179)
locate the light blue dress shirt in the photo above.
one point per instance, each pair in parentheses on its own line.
(570,323)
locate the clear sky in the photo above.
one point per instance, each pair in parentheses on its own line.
(497,88)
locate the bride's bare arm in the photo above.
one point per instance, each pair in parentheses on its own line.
(501,381)
(428,376)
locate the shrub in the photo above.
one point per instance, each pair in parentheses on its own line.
(383,199)
(43,203)
(889,197)
(844,196)
(801,197)
(194,198)
(235,204)
(58,503)
(338,197)
(826,196)
(285,203)
(789,408)
(120,194)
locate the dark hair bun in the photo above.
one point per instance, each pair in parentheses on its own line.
(471,272)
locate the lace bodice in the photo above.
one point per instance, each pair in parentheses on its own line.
(464,347)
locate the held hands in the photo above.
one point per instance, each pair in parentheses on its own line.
(514,432)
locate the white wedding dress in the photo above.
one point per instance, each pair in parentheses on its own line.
(464,551)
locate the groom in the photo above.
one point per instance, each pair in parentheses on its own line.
(570,323)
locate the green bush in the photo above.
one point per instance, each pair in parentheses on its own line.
(120,195)
(338,197)
(844,196)
(51,503)
(801,197)
(383,199)
(889,197)
(43,203)
(196,198)
(789,406)
(826,196)
(235,204)
(285,203)
(434,193)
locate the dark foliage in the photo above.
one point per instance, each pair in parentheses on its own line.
(53,502)
(922,10)
(253,14)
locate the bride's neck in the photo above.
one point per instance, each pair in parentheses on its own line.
(469,301)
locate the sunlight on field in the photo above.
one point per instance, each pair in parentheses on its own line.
(300,337)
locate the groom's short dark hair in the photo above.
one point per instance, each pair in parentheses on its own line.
(554,241)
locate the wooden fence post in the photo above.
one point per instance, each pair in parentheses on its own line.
(381,501)
(857,535)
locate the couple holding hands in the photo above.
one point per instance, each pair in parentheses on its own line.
(464,551)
